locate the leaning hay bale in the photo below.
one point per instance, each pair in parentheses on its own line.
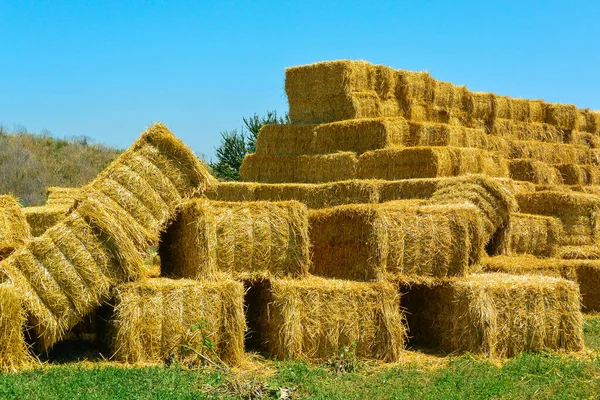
(247,240)
(43,217)
(528,131)
(578,213)
(531,234)
(316,318)
(429,162)
(161,320)
(369,242)
(14,352)
(65,196)
(573,174)
(586,273)
(300,169)
(534,171)
(14,229)
(498,315)
(551,153)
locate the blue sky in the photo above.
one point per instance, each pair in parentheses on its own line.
(108,69)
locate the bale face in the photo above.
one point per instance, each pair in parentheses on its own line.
(14,352)
(158,320)
(429,162)
(498,315)
(246,240)
(534,172)
(43,217)
(573,174)
(63,196)
(531,234)
(14,229)
(315,319)
(551,153)
(300,169)
(369,242)
(528,131)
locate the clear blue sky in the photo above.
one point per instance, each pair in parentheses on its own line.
(108,69)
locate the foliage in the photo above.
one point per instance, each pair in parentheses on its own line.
(236,144)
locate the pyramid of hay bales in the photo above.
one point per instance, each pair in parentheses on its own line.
(428,185)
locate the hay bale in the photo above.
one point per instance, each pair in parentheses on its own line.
(563,116)
(63,196)
(530,234)
(590,140)
(528,131)
(233,191)
(14,352)
(300,169)
(286,140)
(551,153)
(68,271)
(246,240)
(14,230)
(573,174)
(534,171)
(586,273)
(161,320)
(579,252)
(369,242)
(429,162)
(578,213)
(316,318)
(498,315)
(43,217)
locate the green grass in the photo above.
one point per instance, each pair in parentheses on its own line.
(526,376)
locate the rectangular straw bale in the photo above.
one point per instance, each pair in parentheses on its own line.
(300,169)
(563,116)
(41,218)
(588,121)
(528,131)
(285,140)
(586,273)
(578,213)
(428,162)
(497,315)
(65,196)
(434,134)
(247,240)
(481,106)
(368,242)
(233,191)
(534,171)
(14,229)
(590,252)
(14,351)
(573,174)
(316,318)
(161,320)
(551,153)
(538,235)
(590,140)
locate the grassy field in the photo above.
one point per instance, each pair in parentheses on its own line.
(541,376)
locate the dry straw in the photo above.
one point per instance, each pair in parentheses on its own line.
(14,352)
(585,272)
(429,162)
(534,171)
(578,213)
(316,318)
(369,242)
(64,196)
(68,271)
(498,315)
(300,169)
(247,240)
(14,230)
(531,234)
(551,153)
(573,174)
(164,320)
(43,217)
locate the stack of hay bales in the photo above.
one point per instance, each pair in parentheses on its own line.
(68,271)
(60,200)
(14,230)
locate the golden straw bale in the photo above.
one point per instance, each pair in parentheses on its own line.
(285,140)
(316,318)
(585,139)
(578,213)
(14,352)
(233,191)
(563,116)
(300,169)
(429,162)
(43,217)
(591,252)
(595,156)
(160,320)
(534,171)
(586,273)
(368,242)
(64,196)
(551,153)
(595,189)
(497,315)
(588,121)
(14,229)
(434,134)
(527,131)
(247,240)
(538,235)
(573,174)
(481,106)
